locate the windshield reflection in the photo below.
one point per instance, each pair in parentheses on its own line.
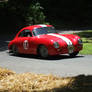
(43,30)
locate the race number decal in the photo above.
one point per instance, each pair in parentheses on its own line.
(26,45)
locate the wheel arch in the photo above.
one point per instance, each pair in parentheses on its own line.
(38,47)
(10,47)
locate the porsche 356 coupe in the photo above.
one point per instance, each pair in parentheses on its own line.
(43,40)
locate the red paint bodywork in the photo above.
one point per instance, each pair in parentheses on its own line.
(47,40)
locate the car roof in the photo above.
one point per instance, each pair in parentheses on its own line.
(36,26)
(33,27)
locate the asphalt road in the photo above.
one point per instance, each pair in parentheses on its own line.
(61,65)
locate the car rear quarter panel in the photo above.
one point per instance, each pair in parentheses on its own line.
(13,42)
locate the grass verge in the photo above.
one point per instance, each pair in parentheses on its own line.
(87,42)
(87,49)
(30,82)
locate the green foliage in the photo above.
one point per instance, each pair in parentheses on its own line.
(86,34)
(19,13)
(35,15)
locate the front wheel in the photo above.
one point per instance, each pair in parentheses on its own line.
(74,54)
(43,51)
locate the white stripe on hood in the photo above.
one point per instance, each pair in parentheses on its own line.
(63,38)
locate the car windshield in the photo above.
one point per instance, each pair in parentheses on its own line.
(43,30)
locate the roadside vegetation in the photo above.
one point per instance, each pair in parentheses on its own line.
(30,82)
(87,41)
(15,14)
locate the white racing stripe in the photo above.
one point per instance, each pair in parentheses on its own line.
(42,25)
(63,38)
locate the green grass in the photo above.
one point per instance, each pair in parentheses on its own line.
(87,49)
(87,42)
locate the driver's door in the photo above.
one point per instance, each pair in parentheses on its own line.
(24,40)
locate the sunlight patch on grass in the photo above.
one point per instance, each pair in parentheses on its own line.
(87,49)
(87,42)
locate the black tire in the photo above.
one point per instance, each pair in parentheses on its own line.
(43,51)
(14,50)
(74,54)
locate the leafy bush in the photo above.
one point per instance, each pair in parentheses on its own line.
(35,15)
(18,13)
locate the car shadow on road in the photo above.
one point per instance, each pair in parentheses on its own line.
(58,57)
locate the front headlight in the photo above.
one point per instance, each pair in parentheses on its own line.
(56,44)
(80,41)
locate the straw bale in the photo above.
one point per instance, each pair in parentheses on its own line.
(29,82)
(5,72)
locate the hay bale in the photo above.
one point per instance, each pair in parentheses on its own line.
(29,82)
(5,72)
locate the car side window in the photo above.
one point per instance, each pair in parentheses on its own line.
(25,33)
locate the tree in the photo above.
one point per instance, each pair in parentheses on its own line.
(18,13)
(35,15)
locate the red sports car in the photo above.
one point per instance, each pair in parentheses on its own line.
(44,41)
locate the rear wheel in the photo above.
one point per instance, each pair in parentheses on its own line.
(43,51)
(74,54)
(14,50)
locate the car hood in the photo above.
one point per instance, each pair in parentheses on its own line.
(65,38)
(50,37)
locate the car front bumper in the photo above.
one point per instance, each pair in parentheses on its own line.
(64,50)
